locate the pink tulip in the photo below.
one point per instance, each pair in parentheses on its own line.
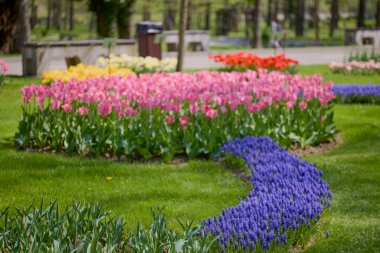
(104,108)
(169,120)
(303,105)
(67,108)
(83,110)
(212,113)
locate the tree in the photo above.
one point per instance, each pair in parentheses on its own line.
(181,34)
(109,11)
(124,15)
(316,19)
(256,26)
(169,14)
(269,13)
(57,12)
(378,14)
(334,12)
(300,17)
(71,15)
(361,12)
(207,15)
(14,25)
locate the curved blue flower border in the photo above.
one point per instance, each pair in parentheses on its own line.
(287,194)
(352,93)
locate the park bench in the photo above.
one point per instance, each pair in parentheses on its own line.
(38,57)
(198,40)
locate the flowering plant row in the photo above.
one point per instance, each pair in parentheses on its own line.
(139,64)
(164,114)
(288,194)
(4,68)
(81,72)
(356,67)
(357,93)
(244,60)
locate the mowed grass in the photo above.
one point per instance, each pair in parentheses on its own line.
(194,190)
(202,188)
(337,78)
(353,173)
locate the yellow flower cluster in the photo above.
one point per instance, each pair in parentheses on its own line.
(81,72)
(139,64)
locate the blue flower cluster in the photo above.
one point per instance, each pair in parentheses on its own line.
(287,193)
(357,93)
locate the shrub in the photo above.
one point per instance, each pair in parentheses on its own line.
(165,114)
(288,195)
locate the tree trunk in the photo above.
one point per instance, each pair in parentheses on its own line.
(124,15)
(256,26)
(361,12)
(23,26)
(169,14)
(378,14)
(275,13)
(57,7)
(8,21)
(181,34)
(316,19)
(189,21)
(334,11)
(269,13)
(300,17)
(48,20)
(71,15)
(33,14)
(207,16)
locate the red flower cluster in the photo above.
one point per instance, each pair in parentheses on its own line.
(251,61)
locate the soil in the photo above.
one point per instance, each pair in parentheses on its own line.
(320,149)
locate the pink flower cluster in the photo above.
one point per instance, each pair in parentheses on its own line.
(3,66)
(355,66)
(211,93)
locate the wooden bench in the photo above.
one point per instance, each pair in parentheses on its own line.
(197,40)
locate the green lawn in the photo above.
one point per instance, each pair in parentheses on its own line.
(198,189)
(194,190)
(337,78)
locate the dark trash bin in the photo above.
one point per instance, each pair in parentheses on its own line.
(147,40)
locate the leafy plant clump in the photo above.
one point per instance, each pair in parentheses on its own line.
(80,228)
(159,238)
(160,115)
(364,55)
(87,228)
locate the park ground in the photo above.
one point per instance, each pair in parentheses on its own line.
(199,189)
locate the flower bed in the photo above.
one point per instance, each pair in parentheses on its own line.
(244,60)
(356,67)
(139,64)
(82,72)
(166,114)
(288,194)
(357,93)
